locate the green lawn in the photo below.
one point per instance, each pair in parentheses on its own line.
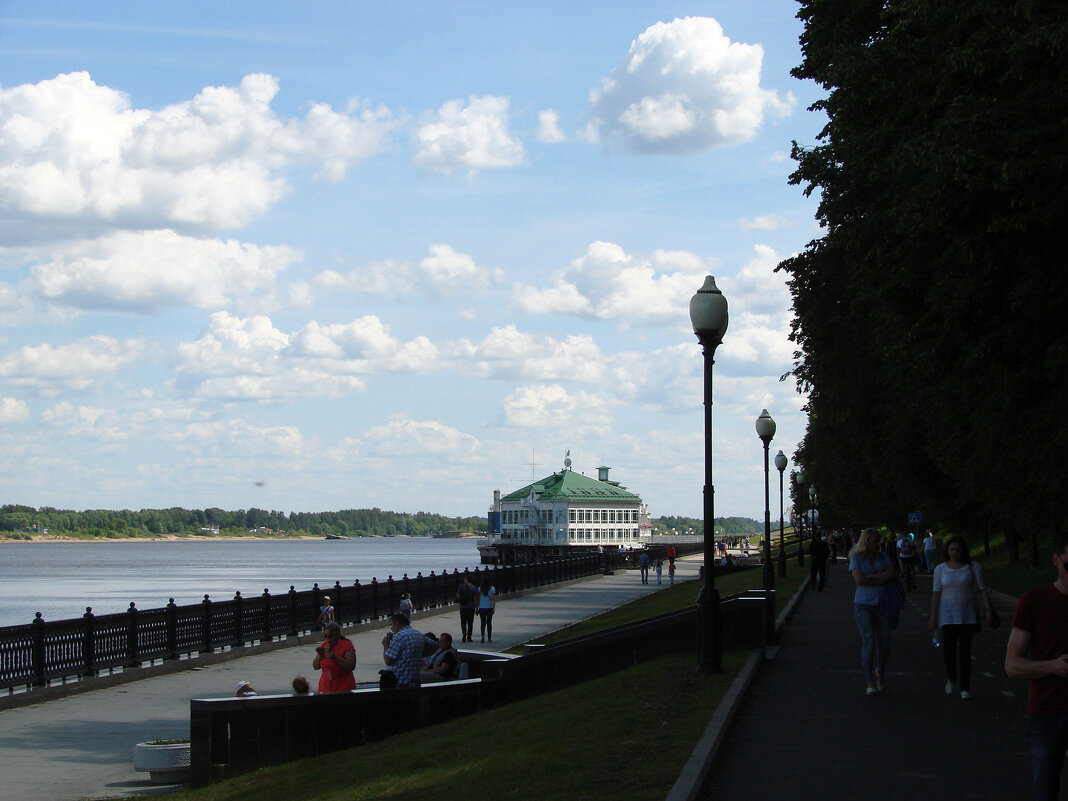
(600,730)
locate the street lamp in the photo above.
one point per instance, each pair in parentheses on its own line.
(708,314)
(813,510)
(780,465)
(765,429)
(799,480)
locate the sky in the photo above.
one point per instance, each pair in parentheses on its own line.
(318,256)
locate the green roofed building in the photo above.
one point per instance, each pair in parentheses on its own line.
(565,512)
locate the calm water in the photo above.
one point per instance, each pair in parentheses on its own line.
(60,579)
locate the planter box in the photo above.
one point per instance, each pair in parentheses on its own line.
(166,763)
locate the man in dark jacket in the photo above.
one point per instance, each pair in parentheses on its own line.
(819,551)
(467,595)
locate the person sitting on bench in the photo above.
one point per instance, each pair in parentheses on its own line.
(442,665)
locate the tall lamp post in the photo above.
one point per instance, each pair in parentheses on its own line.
(799,480)
(780,465)
(765,429)
(813,510)
(708,314)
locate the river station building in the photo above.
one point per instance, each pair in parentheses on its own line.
(565,512)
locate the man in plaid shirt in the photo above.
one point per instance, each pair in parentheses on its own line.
(403,650)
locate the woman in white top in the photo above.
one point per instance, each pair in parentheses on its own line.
(958,585)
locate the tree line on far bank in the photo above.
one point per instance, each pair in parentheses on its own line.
(23,522)
(93,523)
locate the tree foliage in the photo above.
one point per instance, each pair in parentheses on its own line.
(200,522)
(928,315)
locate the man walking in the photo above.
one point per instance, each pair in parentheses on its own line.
(818,553)
(643,565)
(467,595)
(1038,652)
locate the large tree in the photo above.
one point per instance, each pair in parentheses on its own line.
(929,313)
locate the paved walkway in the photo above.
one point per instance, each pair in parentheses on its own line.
(806,729)
(81,746)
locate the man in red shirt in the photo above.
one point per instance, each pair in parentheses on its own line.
(336,657)
(1038,652)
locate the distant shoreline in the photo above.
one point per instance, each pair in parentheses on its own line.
(38,538)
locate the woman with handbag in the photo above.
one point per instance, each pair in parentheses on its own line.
(871,569)
(959,598)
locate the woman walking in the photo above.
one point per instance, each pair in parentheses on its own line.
(871,569)
(487,601)
(958,587)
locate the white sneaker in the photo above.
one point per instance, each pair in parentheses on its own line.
(949,688)
(965,695)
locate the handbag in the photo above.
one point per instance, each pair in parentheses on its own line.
(995,618)
(891,600)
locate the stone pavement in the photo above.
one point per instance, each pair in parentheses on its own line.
(81,746)
(807,730)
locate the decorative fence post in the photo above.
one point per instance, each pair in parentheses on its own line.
(391,595)
(88,651)
(358,611)
(292,611)
(172,630)
(317,597)
(266,632)
(205,626)
(374,598)
(337,599)
(132,659)
(37,653)
(239,638)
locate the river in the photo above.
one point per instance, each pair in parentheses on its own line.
(60,579)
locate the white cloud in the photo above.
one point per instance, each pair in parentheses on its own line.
(766,222)
(684,87)
(758,334)
(550,406)
(13,410)
(75,152)
(442,274)
(608,284)
(150,270)
(376,278)
(549,127)
(447,272)
(472,137)
(80,365)
(250,359)
(417,438)
(509,353)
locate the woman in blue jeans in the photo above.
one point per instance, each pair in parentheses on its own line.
(871,568)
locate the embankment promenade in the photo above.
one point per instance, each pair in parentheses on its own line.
(81,746)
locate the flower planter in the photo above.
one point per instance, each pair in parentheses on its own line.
(166,762)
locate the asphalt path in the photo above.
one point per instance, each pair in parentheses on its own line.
(807,730)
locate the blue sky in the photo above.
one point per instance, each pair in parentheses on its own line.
(320,256)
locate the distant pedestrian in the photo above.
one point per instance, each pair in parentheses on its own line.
(659,570)
(958,590)
(818,553)
(406,607)
(930,547)
(326,613)
(871,570)
(643,566)
(671,571)
(671,554)
(336,658)
(487,602)
(467,595)
(1038,652)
